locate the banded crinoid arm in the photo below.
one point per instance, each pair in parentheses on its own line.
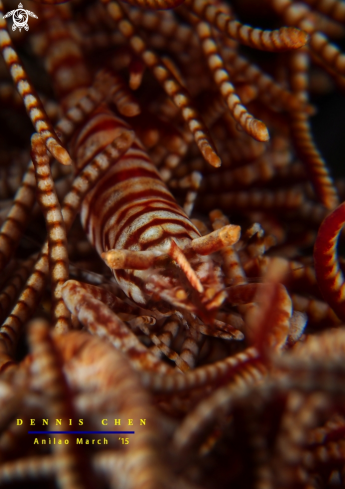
(318,312)
(167,80)
(218,406)
(316,364)
(304,413)
(50,380)
(233,270)
(85,303)
(267,88)
(202,376)
(14,224)
(62,56)
(30,296)
(14,285)
(285,200)
(334,9)
(57,242)
(190,348)
(267,322)
(149,4)
(155,4)
(106,84)
(330,56)
(94,371)
(163,340)
(167,146)
(303,140)
(326,446)
(122,97)
(32,103)
(163,29)
(258,172)
(190,182)
(301,276)
(31,468)
(279,40)
(96,368)
(13,169)
(68,70)
(192,343)
(107,465)
(236,152)
(329,276)
(315,352)
(252,126)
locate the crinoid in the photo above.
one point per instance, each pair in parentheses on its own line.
(186,303)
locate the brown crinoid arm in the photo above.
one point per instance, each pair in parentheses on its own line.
(252,126)
(58,256)
(334,9)
(63,57)
(217,406)
(268,322)
(165,30)
(268,89)
(302,414)
(32,103)
(167,80)
(232,266)
(30,296)
(14,224)
(47,365)
(155,4)
(50,2)
(89,309)
(202,376)
(329,275)
(278,40)
(317,311)
(149,4)
(265,200)
(106,84)
(14,285)
(329,55)
(94,362)
(31,467)
(303,139)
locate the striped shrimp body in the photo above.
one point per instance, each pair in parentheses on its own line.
(134,222)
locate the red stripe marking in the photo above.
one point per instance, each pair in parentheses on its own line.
(141,213)
(134,237)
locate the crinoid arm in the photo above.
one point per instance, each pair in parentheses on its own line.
(155,4)
(186,298)
(328,272)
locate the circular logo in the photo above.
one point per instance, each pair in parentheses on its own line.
(20,19)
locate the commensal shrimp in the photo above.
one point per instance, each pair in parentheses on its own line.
(155,251)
